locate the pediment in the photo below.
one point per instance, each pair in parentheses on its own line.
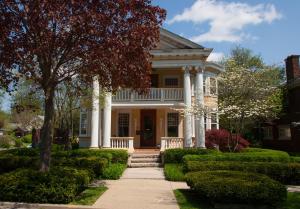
(169,40)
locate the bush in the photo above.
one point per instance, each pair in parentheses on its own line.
(60,185)
(30,152)
(249,155)
(9,163)
(222,139)
(18,142)
(174,172)
(295,159)
(114,171)
(27,138)
(94,164)
(176,155)
(6,141)
(237,187)
(286,173)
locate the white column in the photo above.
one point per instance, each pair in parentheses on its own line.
(95,115)
(107,120)
(199,100)
(188,103)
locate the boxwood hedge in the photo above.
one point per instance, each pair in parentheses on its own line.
(286,173)
(236,187)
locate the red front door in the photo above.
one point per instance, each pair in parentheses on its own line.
(148,128)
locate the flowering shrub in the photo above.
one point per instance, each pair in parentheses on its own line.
(224,141)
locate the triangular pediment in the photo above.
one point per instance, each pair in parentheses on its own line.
(169,40)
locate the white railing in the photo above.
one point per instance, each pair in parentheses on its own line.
(154,94)
(171,142)
(122,143)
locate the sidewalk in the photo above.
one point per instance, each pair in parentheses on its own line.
(140,188)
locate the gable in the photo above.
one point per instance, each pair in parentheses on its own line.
(169,40)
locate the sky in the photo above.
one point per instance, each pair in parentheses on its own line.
(270,28)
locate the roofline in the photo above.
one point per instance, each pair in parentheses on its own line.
(181,39)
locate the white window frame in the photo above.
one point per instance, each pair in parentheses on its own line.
(217,120)
(216,87)
(166,122)
(117,121)
(83,111)
(171,76)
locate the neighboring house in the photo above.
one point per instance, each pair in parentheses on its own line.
(180,77)
(284,133)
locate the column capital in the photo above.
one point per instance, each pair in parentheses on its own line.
(187,69)
(200,68)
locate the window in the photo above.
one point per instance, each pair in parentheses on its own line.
(284,133)
(268,132)
(205,121)
(204,85)
(171,82)
(213,86)
(214,120)
(123,124)
(83,122)
(173,121)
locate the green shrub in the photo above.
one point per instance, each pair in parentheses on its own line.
(295,159)
(236,187)
(94,164)
(247,156)
(18,142)
(30,152)
(174,172)
(6,141)
(176,155)
(60,185)
(286,173)
(27,138)
(114,171)
(10,162)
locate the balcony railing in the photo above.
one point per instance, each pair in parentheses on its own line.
(154,94)
(122,143)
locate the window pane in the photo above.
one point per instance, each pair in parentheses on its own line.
(83,123)
(123,124)
(173,121)
(213,86)
(171,82)
(214,120)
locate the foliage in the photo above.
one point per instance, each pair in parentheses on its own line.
(188,199)
(174,172)
(30,152)
(295,159)
(237,187)
(89,196)
(27,138)
(222,140)
(293,201)
(18,142)
(114,171)
(286,173)
(176,155)
(6,141)
(60,185)
(10,162)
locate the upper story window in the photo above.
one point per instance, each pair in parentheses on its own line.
(284,133)
(214,120)
(83,122)
(213,86)
(268,132)
(171,81)
(172,123)
(123,124)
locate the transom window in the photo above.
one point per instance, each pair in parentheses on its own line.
(173,122)
(83,122)
(171,82)
(123,124)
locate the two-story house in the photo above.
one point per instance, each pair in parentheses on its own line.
(181,76)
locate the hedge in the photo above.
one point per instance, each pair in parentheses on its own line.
(10,162)
(60,185)
(246,156)
(176,155)
(114,171)
(174,172)
(236,187)
(286,173)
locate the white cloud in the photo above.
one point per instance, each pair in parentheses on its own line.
(216,56)
(226,19)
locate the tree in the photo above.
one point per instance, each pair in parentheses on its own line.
(50,42)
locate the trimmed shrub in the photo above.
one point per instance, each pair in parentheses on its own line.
(60,185)
(295,159)
(176,155)
(174,172)
(249,155)
(10,162)
(114,171)
(221,139)
(6,141)
(94,164)
(30,152)
(27,138)
(286,173)
(237,187)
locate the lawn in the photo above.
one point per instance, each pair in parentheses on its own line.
(187,199)
(89,196)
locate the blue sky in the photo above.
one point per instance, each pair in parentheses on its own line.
(270,28)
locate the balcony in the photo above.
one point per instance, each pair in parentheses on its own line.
(155,94)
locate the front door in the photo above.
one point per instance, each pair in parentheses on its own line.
(148,128)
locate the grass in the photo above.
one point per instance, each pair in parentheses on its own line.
(89,196)
(174,172)
(187,199)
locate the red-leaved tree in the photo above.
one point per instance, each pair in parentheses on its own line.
(52,41)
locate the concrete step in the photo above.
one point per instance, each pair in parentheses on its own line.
(134,155)
(145,160)
(142,165)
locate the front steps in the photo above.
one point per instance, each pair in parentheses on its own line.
(140,160)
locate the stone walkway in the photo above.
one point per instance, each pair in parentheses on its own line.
(140,188)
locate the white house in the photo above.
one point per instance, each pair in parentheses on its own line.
(181,76)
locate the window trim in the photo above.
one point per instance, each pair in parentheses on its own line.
(268,137)
(117,122)
(83,111)
(166,123)
(171,76)
(284,137)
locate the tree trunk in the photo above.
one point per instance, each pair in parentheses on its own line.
(47,131)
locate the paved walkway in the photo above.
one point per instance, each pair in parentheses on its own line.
(140,188)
